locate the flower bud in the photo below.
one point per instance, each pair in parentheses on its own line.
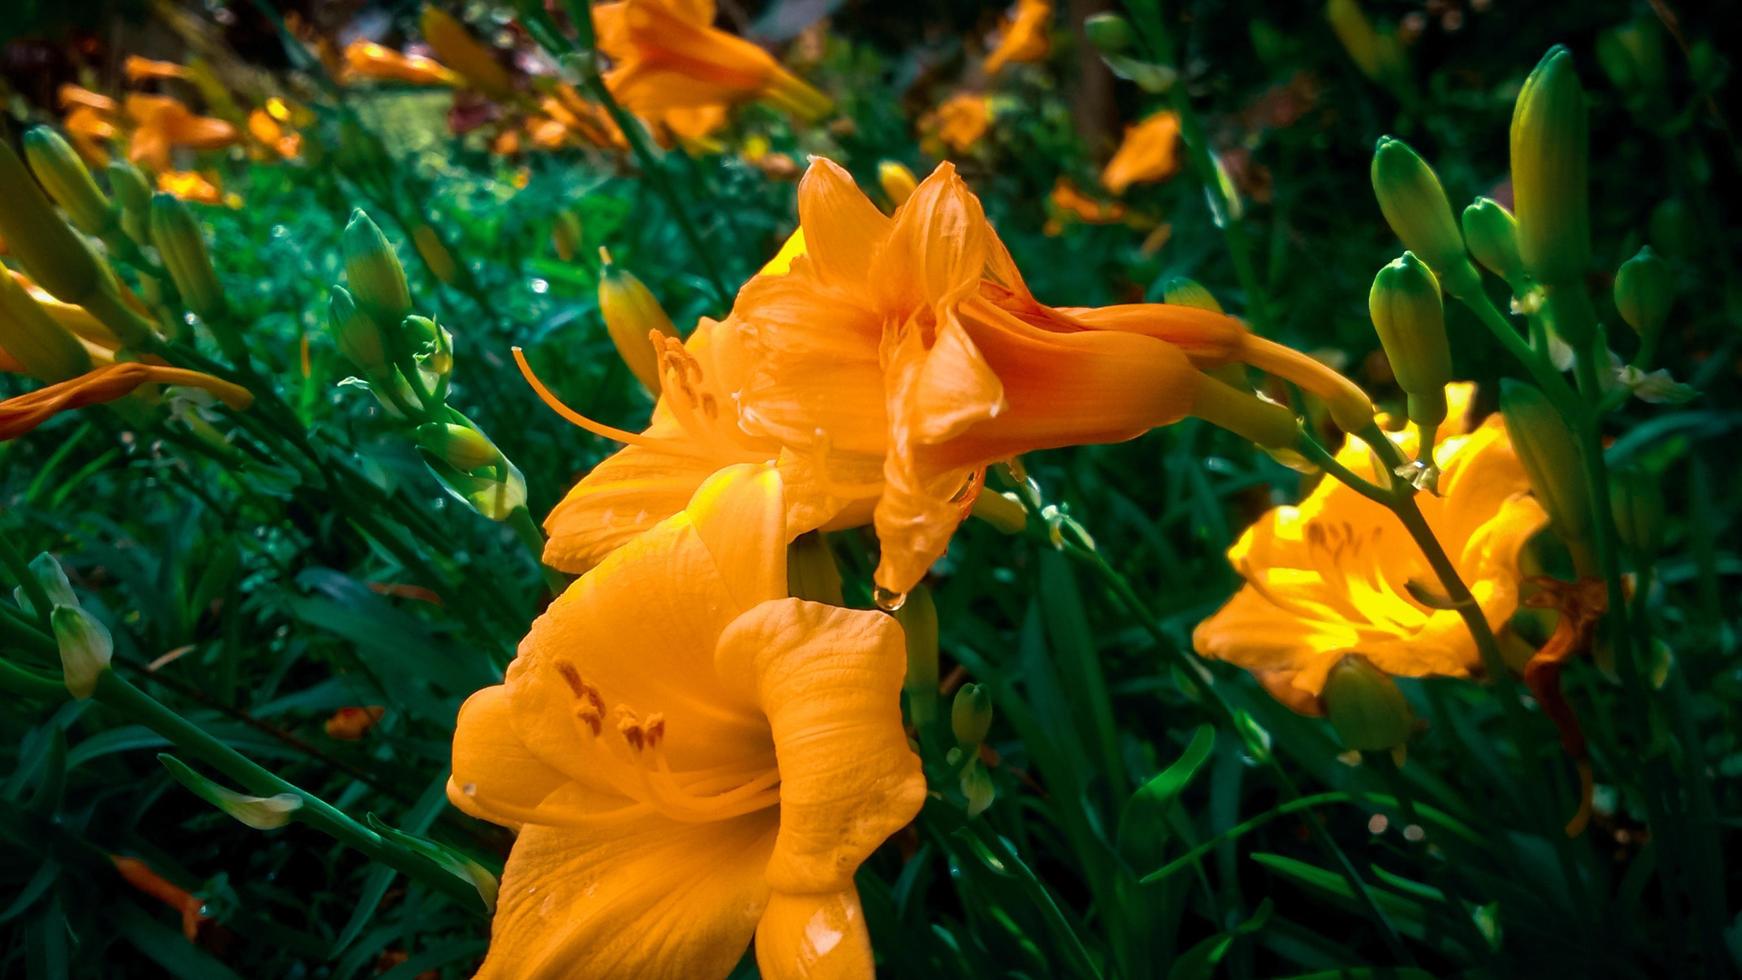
(1415,206)
(1109,33)
(918,617)
(49,249)
(566,235)
(1492,235)
(1181,291)
(1549,171)
(1264,423)
(460,446)
(53,580)
(43,348)
(258,812)
(1365,706)
(1636,498)
(1001,510)
(1644,292)
(133,193)
(358,335)
(455,47)
(435,254)
(376,278)
(811,571)
(897,181)
(1411,322)
(66,179)
(1548,452)
(85,648)
(631,313)
(977,786)
(971,715)
(183,250)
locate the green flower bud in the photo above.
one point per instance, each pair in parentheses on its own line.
(918,617)
(358,335)
(632,314)
(46,350)
(1644,292)
(1181,291)
(376,278)
(1365,706)
(53,580)
(977,786)
(1411,322)
(85,648)
(183,250)
(971,714)
(1550,165)
(49,249)
(1109,32)
(1491,233)
(1416,207)
(258,812)
(133,192)
(460,446)
(66,179)
(1547,450)
(1001,510)
(1264,423)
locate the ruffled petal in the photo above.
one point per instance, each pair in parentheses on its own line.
(842,228)
(829,681)
(814,937)
(938,247)
(648,900)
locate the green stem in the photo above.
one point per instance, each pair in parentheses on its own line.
(527,531)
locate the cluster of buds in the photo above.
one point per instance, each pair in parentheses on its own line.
(407,361)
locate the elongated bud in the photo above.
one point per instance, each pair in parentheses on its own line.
(133,193)
(1181,291)
(435,254)
(462,447)
(1365,706)
(1109,33)
(49,249)
(358,335)
(66,179)
(971,715)
(258,812)
(1491,233)
(53,581)
(811,570)
(918,617)
(1416,207)
(85,648)
(1636,497)
(1550,192)
(897,181)
(455,47)
(566,235)
(1001,510)
(45,350)
(1547,450)
(1263,423)
(1644,292)
(376,278)
(183,250)
(631,313)
(1411,322)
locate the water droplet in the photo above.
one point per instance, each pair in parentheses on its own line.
(888,600)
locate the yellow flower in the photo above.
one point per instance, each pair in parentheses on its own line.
(665,54)
(960,122)
(1024,38)
(692,758)
(1149,153)
(1330,576)
(366,59)
(190,185)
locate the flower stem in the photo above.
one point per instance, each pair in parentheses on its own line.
(520,520)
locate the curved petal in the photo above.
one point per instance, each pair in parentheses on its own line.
(842,228)
(938,247)
(1207,337)
(814,937)
(497,778)
(649,900)
(829,681)
(955,387)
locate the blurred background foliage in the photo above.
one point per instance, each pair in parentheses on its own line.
(261,607)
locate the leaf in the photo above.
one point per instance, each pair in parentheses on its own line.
(167,947)
(1142,822)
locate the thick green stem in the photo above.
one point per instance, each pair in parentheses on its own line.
(527,531)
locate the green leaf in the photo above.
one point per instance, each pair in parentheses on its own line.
(1143,821)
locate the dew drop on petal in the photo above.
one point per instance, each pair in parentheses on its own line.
(888,600)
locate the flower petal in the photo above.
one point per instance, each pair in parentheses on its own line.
(647,900)
(938,247)
(829,681)
(814,937)
(842,228)
(497,778)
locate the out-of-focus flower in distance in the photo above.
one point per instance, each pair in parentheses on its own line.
(143,877)
(1149,153)
(1070,204)
(138,69)
(191,185)
(1337,574)
(106,383)
(1024,37)
(367,60)
(959,122)
(161,123)
(352,723)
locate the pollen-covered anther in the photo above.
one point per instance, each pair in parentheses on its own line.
(594,721)
(654,730)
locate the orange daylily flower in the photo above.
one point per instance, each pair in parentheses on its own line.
(1149,153)
(897,358)
(1330,576)
(271,134)
(366,59)
(106,383)
(1024,38)
(960,122)
(691,758)
(1070,201)
(138,69)
(88,130)
(190,185)
(352,723)
(665,54)
(143,877)
(75,96)
(163,123)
